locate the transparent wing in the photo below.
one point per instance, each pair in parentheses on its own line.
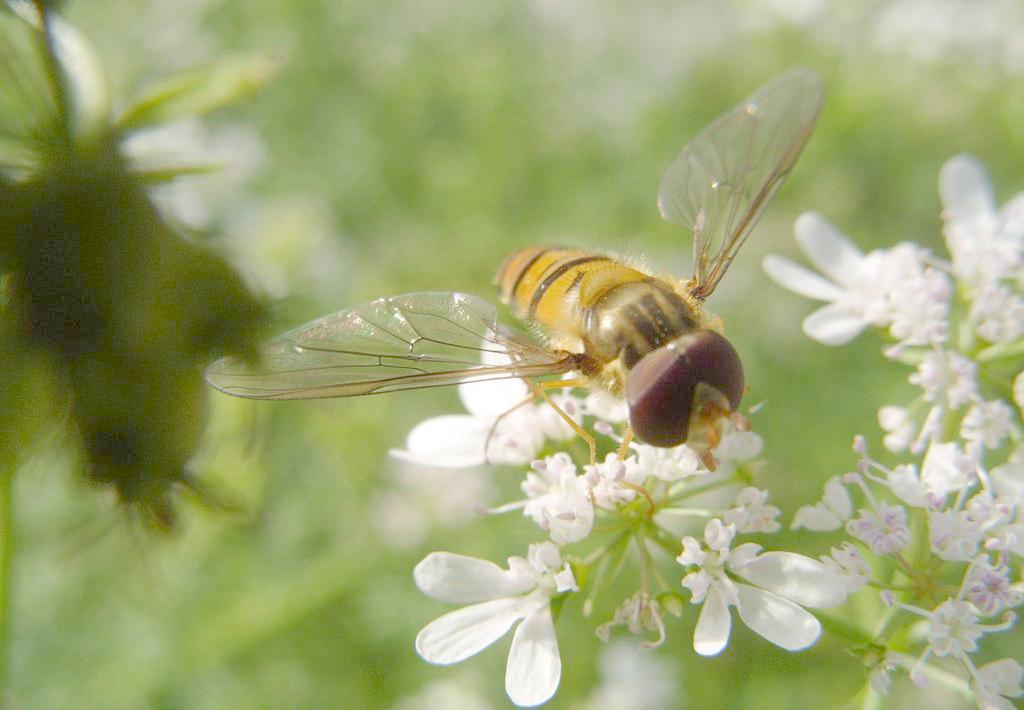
(723,178)
(405,342)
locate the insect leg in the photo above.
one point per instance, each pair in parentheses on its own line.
(494,427)
(627,439)
(538,390)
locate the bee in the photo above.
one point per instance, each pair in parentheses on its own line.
(599,321)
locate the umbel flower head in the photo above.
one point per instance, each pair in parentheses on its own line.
(498,600)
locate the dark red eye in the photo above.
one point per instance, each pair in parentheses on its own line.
(661,386)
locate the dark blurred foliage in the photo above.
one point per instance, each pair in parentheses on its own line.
(123,310)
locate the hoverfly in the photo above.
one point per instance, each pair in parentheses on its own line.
(616,327)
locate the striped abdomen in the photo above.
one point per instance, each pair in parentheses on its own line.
(614,311)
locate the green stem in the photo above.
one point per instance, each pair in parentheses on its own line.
(6,568)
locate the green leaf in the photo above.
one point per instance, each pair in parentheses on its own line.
(198,91)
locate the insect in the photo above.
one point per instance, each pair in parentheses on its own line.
(613,325)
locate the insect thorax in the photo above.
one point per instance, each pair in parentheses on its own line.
(632,319)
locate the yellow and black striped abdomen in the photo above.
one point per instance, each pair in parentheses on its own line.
(553,285)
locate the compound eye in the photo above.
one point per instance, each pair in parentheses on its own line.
(662,385)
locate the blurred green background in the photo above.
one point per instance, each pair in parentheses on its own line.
(407,146)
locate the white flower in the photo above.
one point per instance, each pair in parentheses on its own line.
(498,600)
(985,426)
(918,297)
(737,447)
(899,427)
(947,378)
(953,535)
(988,588)
(605,407)
(847,562)
(954,629)
(829,513)
(1018,391)
(633,679)
(854,299)
(669,465)
(770,605)
(1000,520)
(892,288)
(607,481)
(884,530)
(558,500)
(1008,480)
(986,244)
(476,438)
(945,470)
(997,313)
(751,513)
(997,681)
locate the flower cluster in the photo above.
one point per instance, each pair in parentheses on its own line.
(657,507)
(941,532)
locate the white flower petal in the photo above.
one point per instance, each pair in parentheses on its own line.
(834,255)
(460,579)
(1004,676)
(837,498)
(534,666)
(713,625)
(966,193)
(817,518)
(1011,218)
(448,441)
(492,398)
(800,280)
(797,578)
(778,620)
(464,632)
(834,324)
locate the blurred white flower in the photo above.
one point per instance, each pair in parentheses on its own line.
(891,288)
(986,243)
(945,470)
(854,299)
(953,535)
(947,378)
(233,153)
(997,313)
(954,629)
(498,600)
(829,513)
(899,427)
(883,529)
(989,588)
(499,428)
(420,498)
(985,426)
(634,679)
(780,584)
(880,675)
(445,694)
(995,682)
